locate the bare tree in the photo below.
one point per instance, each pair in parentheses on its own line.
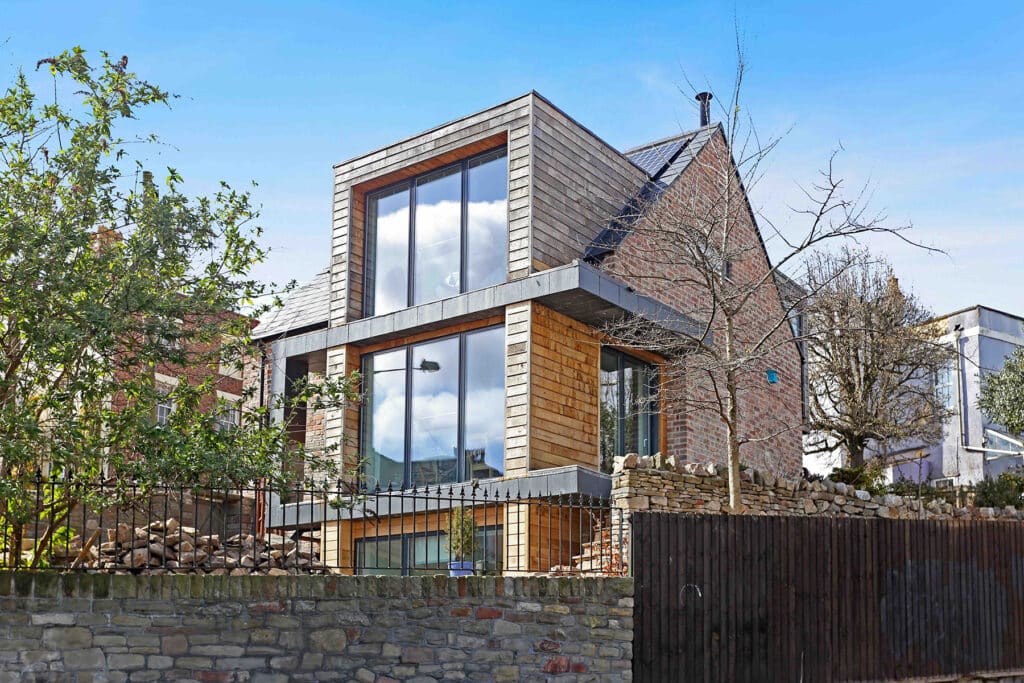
(871,359)
(695,246)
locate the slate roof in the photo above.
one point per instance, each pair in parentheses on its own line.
(663,161)
(308,305)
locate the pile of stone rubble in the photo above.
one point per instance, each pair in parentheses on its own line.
(167,546)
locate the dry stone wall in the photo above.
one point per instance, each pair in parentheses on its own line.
(214,629)
(663,484)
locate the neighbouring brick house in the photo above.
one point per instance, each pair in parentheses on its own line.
(469,282)
(227,376)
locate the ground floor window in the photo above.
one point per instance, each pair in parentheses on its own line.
(434,412)
(629,406)
(424,553)
(403,555)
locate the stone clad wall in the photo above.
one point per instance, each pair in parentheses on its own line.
(664,485)
(101,627)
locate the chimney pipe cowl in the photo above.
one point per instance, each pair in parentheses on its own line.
(705,108)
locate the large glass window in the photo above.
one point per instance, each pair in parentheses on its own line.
(424,553)
(402,555)
(438,230)
(486,220)
(455,219)
(629,407)
(485,404)
(388,270)
(435,412)
(383,437)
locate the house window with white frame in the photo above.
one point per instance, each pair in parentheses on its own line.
(228,417)
(164,408)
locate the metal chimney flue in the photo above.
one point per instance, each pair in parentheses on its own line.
(705,108)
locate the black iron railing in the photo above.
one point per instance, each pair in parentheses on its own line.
(490,527)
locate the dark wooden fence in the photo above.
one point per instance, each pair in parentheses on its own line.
(743,598)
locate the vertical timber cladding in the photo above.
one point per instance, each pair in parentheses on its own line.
(508,123)
(341,423)
(761,598)
(551,413)
(565,361)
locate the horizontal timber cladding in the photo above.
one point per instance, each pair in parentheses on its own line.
(534,536)
(762,598)
(579,184)
(564,391)
(517,389)
(506,124)
(339,537)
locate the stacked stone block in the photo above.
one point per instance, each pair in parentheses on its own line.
(101,627)
(662,484)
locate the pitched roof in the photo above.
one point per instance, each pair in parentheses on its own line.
(663,161)
(307,306)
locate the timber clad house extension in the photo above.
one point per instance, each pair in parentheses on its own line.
(468,282)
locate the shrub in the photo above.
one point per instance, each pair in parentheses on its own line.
(1006,489)
(868,477)
(462,541)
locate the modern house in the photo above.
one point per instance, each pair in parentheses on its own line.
(469,284)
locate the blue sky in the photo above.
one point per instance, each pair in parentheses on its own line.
(926,99)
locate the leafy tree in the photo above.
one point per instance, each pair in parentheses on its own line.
(1002,394)
(871,358)
(105,278)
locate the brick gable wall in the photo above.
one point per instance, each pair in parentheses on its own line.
(643,262)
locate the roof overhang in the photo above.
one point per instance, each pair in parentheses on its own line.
(578,290)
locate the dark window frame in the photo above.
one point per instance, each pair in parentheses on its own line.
(652,414)
(406,539)
(460,459)
(410,184)
(489,530)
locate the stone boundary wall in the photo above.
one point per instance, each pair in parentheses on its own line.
(101,627)
(664,485)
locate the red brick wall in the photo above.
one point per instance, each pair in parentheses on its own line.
(695,433)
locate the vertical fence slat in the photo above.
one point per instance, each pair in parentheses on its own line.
(868,537)
(1014,578)
(825,599)
(958,593)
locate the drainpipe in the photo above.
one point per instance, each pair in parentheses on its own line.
(961,437)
